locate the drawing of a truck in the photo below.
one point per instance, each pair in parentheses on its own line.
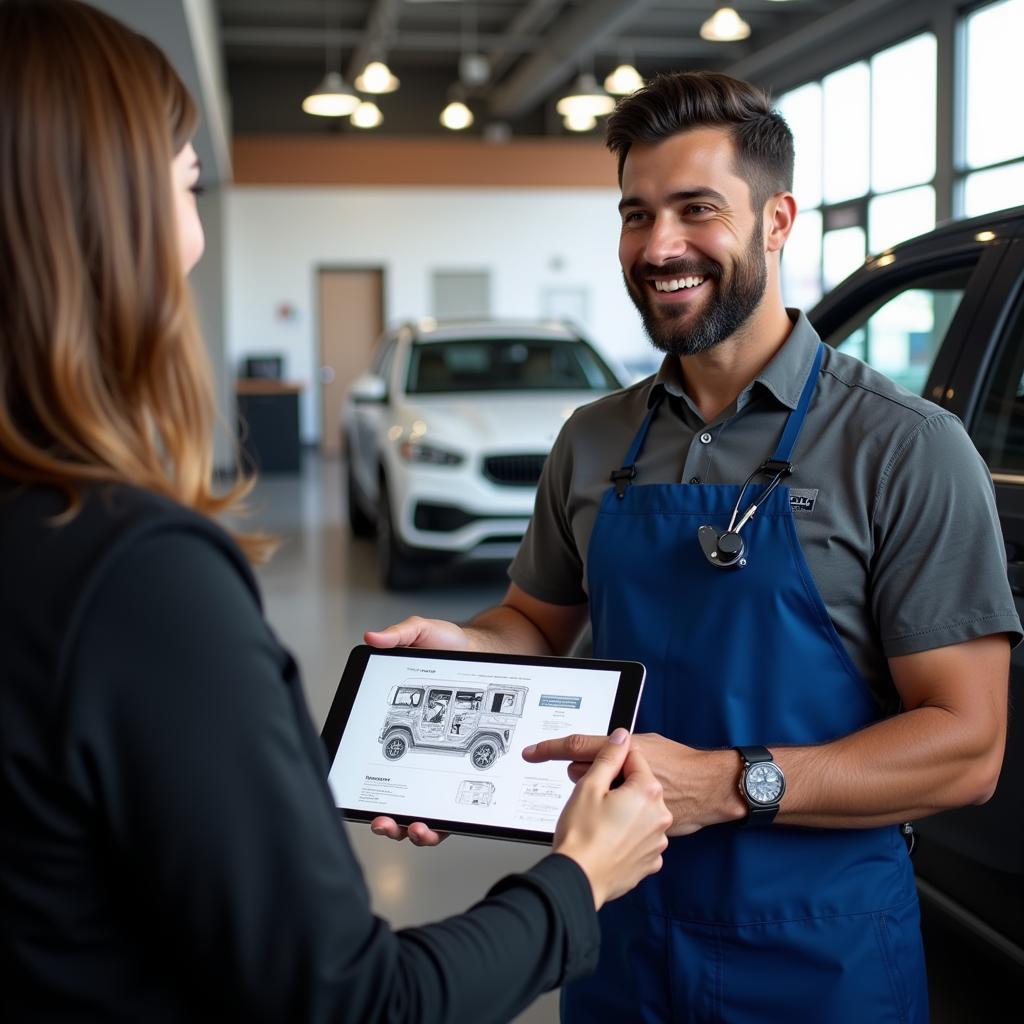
(452,718)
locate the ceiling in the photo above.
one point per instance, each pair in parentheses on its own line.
(276,51)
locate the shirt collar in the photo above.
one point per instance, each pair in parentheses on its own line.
(784,377)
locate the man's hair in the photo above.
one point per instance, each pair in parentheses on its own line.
(103,373)
(679,102)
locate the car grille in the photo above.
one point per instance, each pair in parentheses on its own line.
(514,470)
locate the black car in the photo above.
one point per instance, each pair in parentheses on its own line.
(943,314)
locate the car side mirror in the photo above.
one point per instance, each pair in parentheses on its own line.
(369,388)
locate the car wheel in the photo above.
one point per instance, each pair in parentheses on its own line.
(395,745)
(396,572)
(483,754)
(359,522)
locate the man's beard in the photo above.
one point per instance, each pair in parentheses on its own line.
(728,309)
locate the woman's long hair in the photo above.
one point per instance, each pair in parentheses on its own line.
(103,373)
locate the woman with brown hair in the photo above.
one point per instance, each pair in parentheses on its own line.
(169,849)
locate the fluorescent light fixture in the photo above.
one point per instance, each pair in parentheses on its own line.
(585,98)
(376,79)
(331,98)
(366,115)
(724,26)
(456,116)
(623,80)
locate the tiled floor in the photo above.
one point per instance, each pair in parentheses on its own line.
(322,592)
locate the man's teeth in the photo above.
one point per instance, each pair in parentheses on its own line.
(679,282)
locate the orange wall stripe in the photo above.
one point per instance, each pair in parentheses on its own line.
(304,160)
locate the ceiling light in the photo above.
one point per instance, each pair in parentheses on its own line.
(579,121)
(474,69)
(623,80)
(456,116)
(585,98)
(376,79)
(724,26)
(331,98)
(366,115)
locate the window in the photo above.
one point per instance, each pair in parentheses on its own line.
(999,428)
(903,104)
(901,334)
(900,215)
(991,156)
(842,254)
(865,163)
(507,364)
(847,133)
(408,696)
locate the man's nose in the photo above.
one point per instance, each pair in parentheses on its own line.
(666,242)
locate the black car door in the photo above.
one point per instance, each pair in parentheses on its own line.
(978,852)
(944,319)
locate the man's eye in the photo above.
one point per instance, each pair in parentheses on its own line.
(634,217)
(699,209)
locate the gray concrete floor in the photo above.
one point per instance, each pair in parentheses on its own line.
(321,592)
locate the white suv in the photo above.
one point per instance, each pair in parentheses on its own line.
(447,434)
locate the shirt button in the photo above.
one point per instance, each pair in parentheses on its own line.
(694,479)
(705,438)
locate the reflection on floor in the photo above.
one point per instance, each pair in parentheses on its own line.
(322,592)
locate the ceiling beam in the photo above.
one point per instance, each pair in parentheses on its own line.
(574,40)
(532,18)
(855,28)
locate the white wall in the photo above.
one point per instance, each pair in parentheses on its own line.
(529,239)
(207,279)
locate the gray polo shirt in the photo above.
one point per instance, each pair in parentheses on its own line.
(894,507)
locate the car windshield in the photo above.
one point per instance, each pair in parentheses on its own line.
(506,364)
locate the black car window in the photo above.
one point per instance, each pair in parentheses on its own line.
(901,333)
(506,364)
(998,429)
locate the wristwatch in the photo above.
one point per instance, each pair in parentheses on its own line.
(762,785)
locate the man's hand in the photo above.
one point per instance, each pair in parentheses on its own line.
(434,634)
(700,786)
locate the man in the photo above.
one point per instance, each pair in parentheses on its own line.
(826,655)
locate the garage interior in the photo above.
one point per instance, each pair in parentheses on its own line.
(321,232)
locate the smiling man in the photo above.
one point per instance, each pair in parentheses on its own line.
(777,532)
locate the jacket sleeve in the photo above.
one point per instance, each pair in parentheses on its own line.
(190,744)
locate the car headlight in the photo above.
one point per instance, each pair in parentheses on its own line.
(417,451)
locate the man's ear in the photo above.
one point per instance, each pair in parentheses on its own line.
(779,214)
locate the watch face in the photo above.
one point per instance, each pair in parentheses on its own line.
(764,783)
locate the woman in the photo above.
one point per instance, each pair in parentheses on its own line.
(169,849)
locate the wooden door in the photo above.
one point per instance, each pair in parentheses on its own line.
(351,308)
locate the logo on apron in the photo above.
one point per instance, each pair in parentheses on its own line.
(803,499)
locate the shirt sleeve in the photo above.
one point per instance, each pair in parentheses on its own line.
(195,752)
(548,564)
(939,568)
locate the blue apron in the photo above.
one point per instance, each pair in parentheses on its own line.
(774,925)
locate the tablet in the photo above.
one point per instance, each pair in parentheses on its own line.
(437,736)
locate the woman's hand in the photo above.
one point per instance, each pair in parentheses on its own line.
(617,836)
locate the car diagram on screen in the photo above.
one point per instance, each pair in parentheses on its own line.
(475,793)
(452,718)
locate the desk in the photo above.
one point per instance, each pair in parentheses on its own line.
(268,423)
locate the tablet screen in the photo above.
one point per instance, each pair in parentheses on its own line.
(438,736)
